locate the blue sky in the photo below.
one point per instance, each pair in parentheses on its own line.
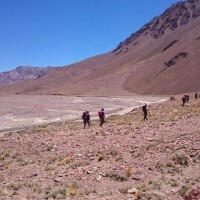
(61,32)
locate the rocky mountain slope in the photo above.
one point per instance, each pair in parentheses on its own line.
(160,58)
(127,158)
(23,73)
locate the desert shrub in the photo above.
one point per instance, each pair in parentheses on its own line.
(49,148)
(142,187)
(173,183)
(124,190)
(115,176)
(79,164)
(138,195)
(13,186)
(64,161)
(155,185)
(181,159)
(153,196)
(101,157)
(58,193)
(4,154)
(128,171)
(87,192)
(183,190)
(114,152)
(72,189)
(119,158)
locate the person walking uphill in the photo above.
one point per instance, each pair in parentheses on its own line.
(86,118)
(144,109)
(196,95)
(101,116)
(184,100)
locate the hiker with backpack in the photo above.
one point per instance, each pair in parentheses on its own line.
(101,116)
(196,95)
(86,118)
(184,100)
(187,98)
(144,109)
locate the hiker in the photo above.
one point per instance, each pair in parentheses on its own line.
(86,118)
(196,95)
(187,98)
(144,109)
(184,100)
(101,116)
(172,98)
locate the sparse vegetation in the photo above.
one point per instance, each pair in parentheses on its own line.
(59,193)
(155,185)
(72,189)
(87,192)
(145,155)
(4,154)
(183,190)
(173,183)
(101,157)
(64,161)
(124,190)
(115,176)
(181,159)
(142,187)
(80,164)
(114,152)
(128,171)
(170,45)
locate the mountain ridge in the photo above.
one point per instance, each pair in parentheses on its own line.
(23,73)
(167,64)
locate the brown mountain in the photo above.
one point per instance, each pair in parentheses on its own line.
(23,73)
(160,58)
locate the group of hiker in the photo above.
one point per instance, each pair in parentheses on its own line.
(86,117)
(186,97)
(101,114)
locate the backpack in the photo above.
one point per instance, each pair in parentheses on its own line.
(100,114)
(84,115)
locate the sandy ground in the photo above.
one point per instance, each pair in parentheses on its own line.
(20,111)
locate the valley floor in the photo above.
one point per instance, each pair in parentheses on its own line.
(23,111)
(127,158)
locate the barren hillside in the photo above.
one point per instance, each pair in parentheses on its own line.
(160,58)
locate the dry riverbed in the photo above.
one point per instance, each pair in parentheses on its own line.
(20,111)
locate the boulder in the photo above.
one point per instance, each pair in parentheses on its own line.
(192,194)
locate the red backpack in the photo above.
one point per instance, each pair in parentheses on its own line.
(100,114)
(84,115)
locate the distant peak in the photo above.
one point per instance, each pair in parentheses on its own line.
(175,16)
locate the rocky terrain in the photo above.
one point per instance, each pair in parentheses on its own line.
(23,73)
(128,158)
(177,15)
